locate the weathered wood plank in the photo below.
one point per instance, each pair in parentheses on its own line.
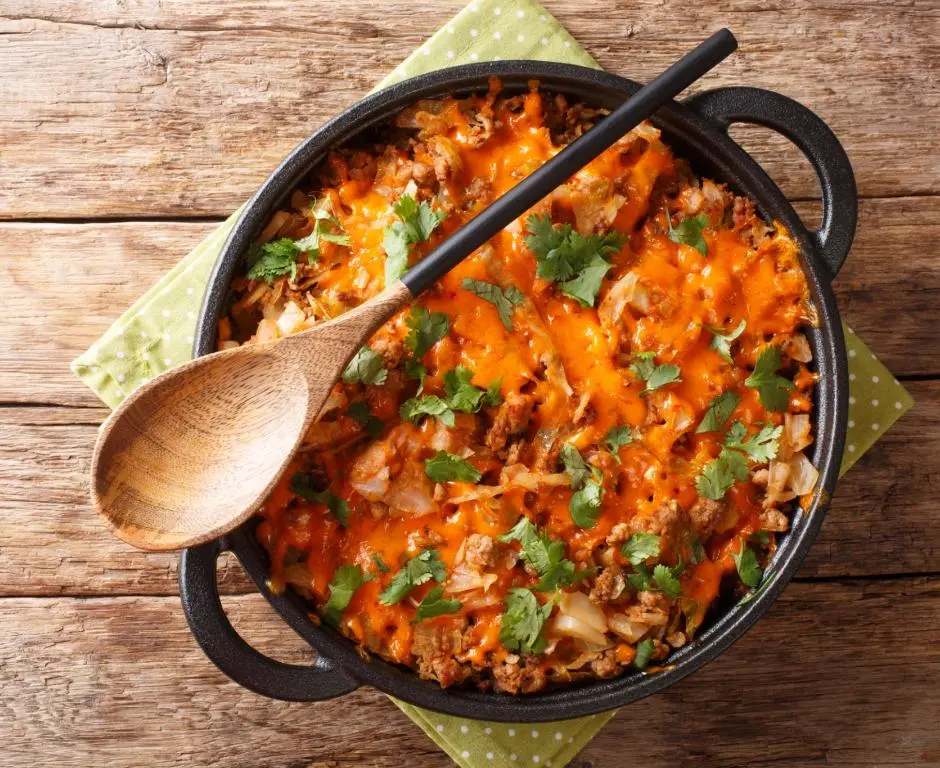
(159,108)
(120,681)
(888,290)
(882,521)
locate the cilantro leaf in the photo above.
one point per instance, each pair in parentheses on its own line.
(302,485)
(718,412)
(415,370)
(616,438)
(587,284)
(666,580)
(644,367)
(771,387)
(721,341)
(277,258)
(379,563)
(428,405)
(640,547)
(720,474)
(523,623)
(760,447)
(366,366)
(689,232)
(446,467)
(461,394)
(493,396)
(419,570)
(360,413)
(644,650)
(565,255)
(585,504)
(748,568)
(416,223)
(322,227)
(642,580)
(433,605)
(346,580)
(504,299)
(543,553)
(575,466)
(425,329)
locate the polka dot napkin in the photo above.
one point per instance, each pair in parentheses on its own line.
(157,333)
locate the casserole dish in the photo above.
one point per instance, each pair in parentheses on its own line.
(696,131)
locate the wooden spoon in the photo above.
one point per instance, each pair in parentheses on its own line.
(195,452)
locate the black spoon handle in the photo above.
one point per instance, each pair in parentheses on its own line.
(570,160)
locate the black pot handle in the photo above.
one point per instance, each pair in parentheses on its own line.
(814,138)
(226,649)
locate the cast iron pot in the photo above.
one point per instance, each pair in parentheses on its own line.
(697,130)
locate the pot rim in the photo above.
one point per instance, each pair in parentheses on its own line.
(727,162)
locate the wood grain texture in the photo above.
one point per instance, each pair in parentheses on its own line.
(178,108)
(828,675)
(887,290)
(883,519)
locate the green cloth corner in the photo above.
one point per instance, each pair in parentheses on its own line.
(157,333)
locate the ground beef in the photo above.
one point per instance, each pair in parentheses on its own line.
(774,520)
(608,586)
(480,551)
(424,538)
(511,419)
(524,676)
(708,516)
(606,665)
(435,645)
(666,522)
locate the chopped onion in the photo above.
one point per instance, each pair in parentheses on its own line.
(803,475)
(631,631)
(267,331)
(569,626)
(291,319)
(577,605)
(799,349)
(797,430)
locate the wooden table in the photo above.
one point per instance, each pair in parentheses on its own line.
(128,130)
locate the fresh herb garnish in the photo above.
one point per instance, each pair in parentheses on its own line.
(463,396)
(504,299)
(642,580)
(277,258)
(545,554)
(585,504)
(748,568)
(718,412)
(326,228)
(419,570)
(446,467)
(771,387)
(721,340)
(346,580)
(731,465)
(416,223)
(689,232)
(644,367)
(523,623)
(425,329)
(302,485)
(640,547)
(433,605)
(360,413)
(576,261)
(427,405)
(616,438)
(366,366)
(666,579)
(415,370)
(644,650)
(379,563)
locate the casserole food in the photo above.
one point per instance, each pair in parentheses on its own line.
(573,701)
(546,468)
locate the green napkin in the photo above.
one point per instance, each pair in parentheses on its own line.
(157,333)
